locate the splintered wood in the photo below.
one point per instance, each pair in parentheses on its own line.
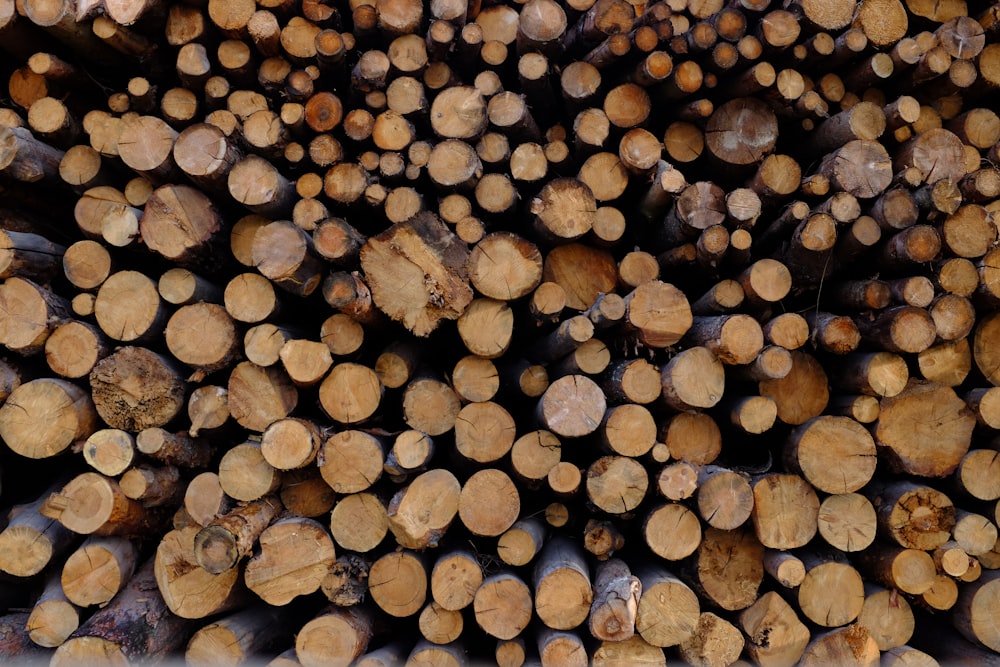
(547,332)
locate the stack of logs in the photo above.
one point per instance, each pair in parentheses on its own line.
(556,332)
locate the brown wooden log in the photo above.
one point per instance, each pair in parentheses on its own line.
(136,623)
(220,545)
(615,606)
(785,511)
(43,417)
(98,570)
(335,636)
(31,541)
(847,521)
(489,503)
(295,555)
(774,633)
(667,612)
(913,516)
(562,586)
(905,442)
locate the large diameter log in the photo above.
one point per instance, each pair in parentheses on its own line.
(668,609)
(416,271)
(295,555)
(835,454)
(135,625)
(135,388)
(925,430)
(43,417)
(30,313)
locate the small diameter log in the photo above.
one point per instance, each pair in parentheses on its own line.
(53,618)
(785,511)
(562,586)
(174,448)
(31,541)
(295,555)
(908,570)
(667,612)
(220,545)
(109,451)
(136,624)
(98,569)
(616,600)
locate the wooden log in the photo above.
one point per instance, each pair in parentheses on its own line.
(43,417)
(667,612)
(98,570)
(136,623)
(785,511)
(913,516)
(774,633)
(295,555)
(335,636)
(220,545)
(911,453)
(847,521)
(31,541)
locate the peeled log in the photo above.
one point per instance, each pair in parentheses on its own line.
(416,272)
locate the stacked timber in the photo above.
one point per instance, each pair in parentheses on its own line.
(530,333)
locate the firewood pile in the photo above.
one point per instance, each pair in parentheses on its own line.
(519,333)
